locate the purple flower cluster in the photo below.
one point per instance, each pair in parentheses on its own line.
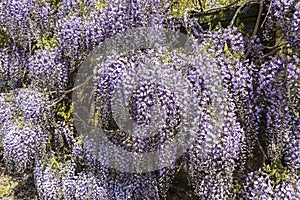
(25,21)
(23,135)
(289,189)
(62,182)
(286,15)
(46,181)
(141,99)
(48,71)
(282,7)
(246,103)
(78,32)
(258,186)
(291,28)
(292,149)
(119,74)
(81,179)
(13,65)
(224,95)
(20,144)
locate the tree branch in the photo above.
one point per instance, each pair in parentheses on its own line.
(238,11)
(213,9)
(71,90)
(260,11)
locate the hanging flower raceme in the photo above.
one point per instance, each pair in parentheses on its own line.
(143,101)
(24,130)
(291,28)
(138,91)
(48,71)
(224,95)
(13,67)
(56,180)
(286,15)
(25,21)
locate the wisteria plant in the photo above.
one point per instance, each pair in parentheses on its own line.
(244,88)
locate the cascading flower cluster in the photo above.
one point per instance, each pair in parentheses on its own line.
(13,65)
(245,127)
(41,65)
(274,184)
(121,75)
(22,130)
(66,184)
(285,14)
(291,29)
(159,98)
(66,35)
(26,21)
(262,106)
(213,175)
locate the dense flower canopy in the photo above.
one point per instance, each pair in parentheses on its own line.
(245,93)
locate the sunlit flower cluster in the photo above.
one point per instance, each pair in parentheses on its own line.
(238,105)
